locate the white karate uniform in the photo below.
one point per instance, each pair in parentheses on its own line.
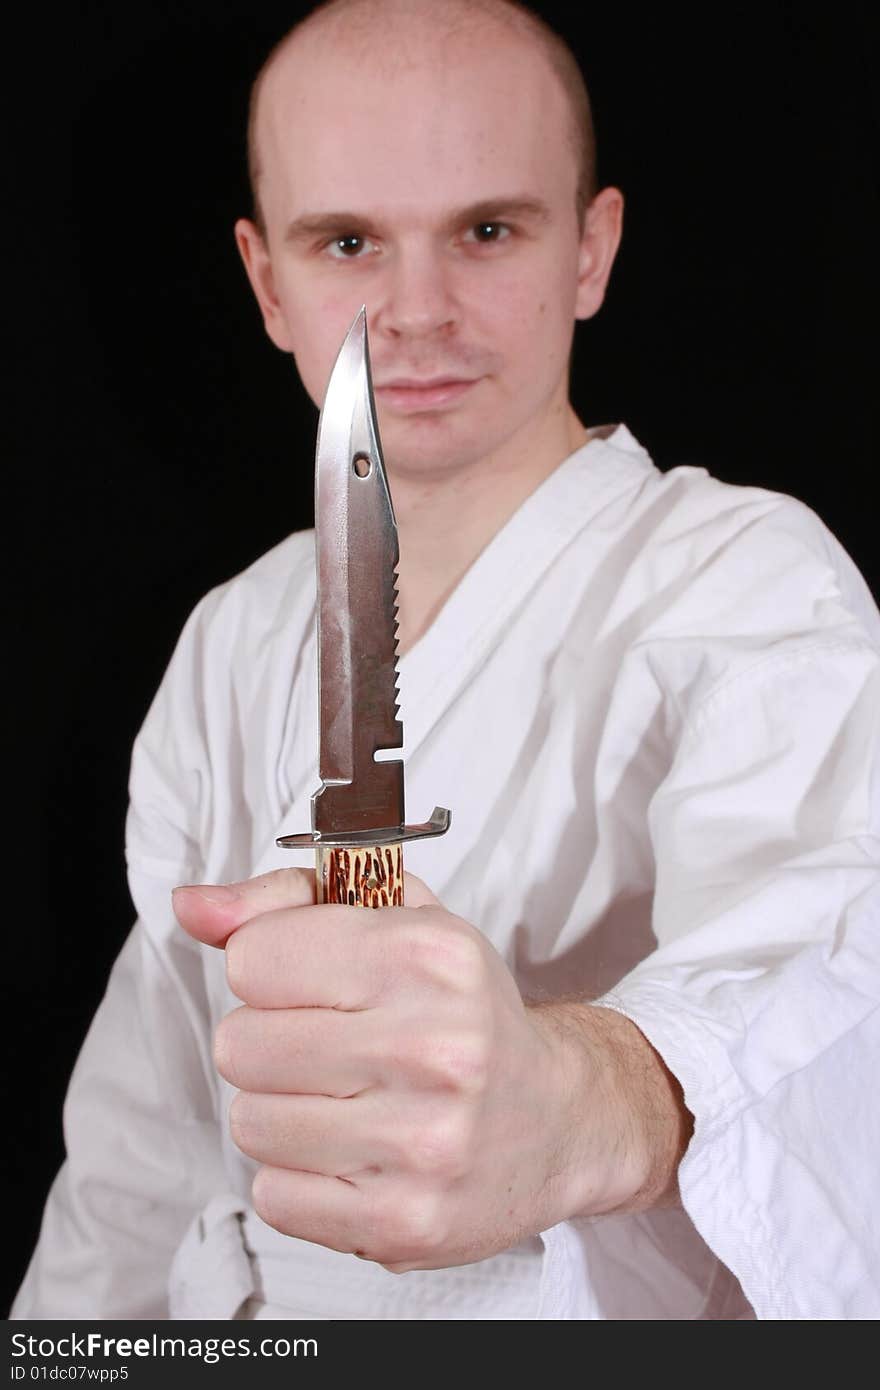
(652,705)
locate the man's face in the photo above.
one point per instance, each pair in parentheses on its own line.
(442,196)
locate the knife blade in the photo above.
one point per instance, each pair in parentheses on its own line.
(358,821)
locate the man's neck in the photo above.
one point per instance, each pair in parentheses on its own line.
(444,525)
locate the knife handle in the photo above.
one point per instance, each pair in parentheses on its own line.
(362,876)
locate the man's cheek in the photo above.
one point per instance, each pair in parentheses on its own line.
(314,371)
(316,331)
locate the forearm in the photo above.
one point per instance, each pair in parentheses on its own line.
(625,1117)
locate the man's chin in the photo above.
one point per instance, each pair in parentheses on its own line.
(423,458)
(422,443)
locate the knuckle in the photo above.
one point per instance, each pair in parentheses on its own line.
(412,1229)
(264,1195)
(474,1061)
(253,962)
(236,963)
(457,1062)
(439,1149)
(449,956)
(226,1039)
(240,1121)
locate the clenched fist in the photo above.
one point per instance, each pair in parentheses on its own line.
(404,1101)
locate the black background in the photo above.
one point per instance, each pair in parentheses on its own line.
(162,443)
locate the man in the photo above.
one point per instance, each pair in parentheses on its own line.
(614,1060)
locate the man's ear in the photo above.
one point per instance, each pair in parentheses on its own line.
(253,251)
(603,226)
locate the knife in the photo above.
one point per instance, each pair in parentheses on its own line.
(358,822)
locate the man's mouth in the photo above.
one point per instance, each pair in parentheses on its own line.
(412,394)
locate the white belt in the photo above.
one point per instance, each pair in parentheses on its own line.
(231,1264)
(211,1275)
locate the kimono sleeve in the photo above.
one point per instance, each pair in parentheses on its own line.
(141,1127)
(762,994)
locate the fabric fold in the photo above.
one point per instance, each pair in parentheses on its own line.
(210,1276)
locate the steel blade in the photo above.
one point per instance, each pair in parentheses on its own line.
(357,548)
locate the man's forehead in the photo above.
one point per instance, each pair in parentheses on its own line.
(308,63)
(322,108)
(393,36)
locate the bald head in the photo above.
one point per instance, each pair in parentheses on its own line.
(424,31)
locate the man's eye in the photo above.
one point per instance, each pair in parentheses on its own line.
(490,231)
(347,247)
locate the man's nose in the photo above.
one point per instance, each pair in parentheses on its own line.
(419,298)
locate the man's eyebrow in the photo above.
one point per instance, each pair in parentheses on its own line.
(330,224)
(310,225)
(496,209)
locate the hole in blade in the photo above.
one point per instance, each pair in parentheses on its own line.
(362,465)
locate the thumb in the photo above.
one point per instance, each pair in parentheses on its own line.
(417,894)
(212,912)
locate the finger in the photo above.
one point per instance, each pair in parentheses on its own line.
(366,1216)
(298,1051)
(334,957)
(313,1207)
(416,893)
(212,912)
(328,957)
(339,1137)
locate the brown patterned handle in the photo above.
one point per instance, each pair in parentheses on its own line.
(366,876)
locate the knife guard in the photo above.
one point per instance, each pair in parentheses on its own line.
(364,868)
(362,876)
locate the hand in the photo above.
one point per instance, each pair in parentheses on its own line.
(405,1102)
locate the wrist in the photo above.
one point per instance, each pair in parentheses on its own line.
(622,1112)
